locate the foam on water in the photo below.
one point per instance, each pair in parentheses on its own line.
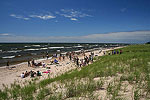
(56,47)
(36,45)
(43,48)
(27,46)
(30,49)
(13,51)
(68,47)
(8,57)
(79,46)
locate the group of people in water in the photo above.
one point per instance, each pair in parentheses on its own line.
(30,73)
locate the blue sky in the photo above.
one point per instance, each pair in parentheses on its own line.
(69,20)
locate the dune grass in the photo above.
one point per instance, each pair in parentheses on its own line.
(133,66)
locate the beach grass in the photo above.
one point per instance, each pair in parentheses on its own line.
(115,73)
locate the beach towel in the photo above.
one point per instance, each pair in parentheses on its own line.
(48,71)
(56,61)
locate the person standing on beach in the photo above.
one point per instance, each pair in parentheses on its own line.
(85,60)
(109,53)
(33,63)
(67,54)
(112,52)
(63,57)
(70,56)
(29,64)
(104,53)
(7,64)
(77,61)
(60,57)
(120,51)
(117,52)
(47,56)
(82,63)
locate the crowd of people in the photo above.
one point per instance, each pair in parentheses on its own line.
(80,61)
(72,56)
(113,52)
(34,64)
(30,73)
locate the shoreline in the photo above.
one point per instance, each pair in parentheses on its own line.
(9,76)
(42,59)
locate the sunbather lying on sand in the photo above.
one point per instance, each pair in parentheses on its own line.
(56,61)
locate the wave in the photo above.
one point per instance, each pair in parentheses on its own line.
(30,49)
(36,45)
(79,46)
(43,48)
(27,46)
(35,49)
(56,47)
(14,51)
(8,57)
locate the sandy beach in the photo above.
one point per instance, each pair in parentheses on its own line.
(9,76)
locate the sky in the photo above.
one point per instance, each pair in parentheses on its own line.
(100,21)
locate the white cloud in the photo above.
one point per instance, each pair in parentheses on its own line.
(115,37)
(5,34)
(72,14)
(44,17)
(19,17)
(67,13)
(73,19)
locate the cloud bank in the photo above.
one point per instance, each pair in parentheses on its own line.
(114,37)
